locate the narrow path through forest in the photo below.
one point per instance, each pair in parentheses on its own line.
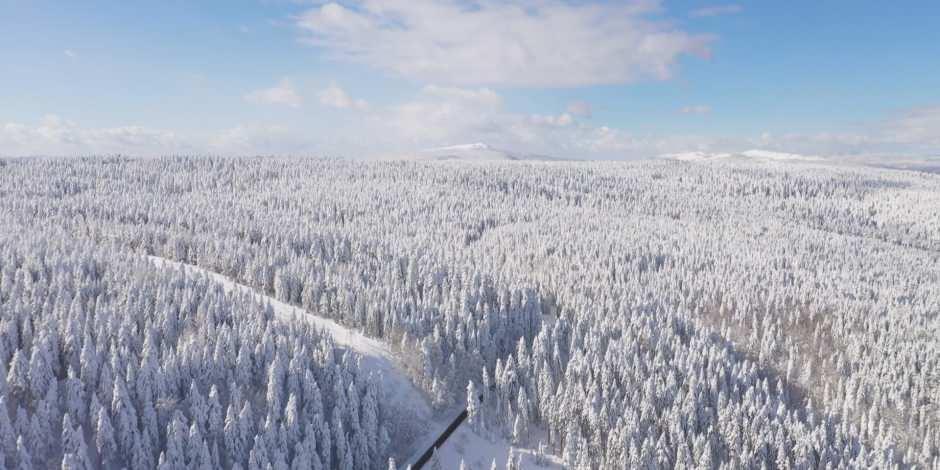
(426,456)
(376,357)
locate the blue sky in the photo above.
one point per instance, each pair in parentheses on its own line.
(368,78)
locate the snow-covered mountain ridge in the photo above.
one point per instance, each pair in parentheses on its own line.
(474,152)
(756,154)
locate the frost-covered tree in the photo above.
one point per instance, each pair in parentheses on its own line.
(24,461)
(732,314)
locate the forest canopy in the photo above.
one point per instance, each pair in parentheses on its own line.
(654,314)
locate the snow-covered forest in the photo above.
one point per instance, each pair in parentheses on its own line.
(659,314)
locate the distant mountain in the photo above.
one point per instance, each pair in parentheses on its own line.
(765,155)
(477,152)
(695,156)
(928,164)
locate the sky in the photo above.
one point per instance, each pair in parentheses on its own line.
(384,78)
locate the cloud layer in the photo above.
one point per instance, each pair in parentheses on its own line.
(716,10)
(440,116)
(548,43)
(56,136)
(281,94)
(335,97)
(697,109)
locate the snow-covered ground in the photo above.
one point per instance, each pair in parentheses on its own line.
(376,357)
(479,452)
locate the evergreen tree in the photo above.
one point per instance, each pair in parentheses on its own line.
(435,460)
(73,444)
(18,374)
(518,431)
(258,456)
(142,455)
(473,406)
(41,375)
(125,417)
(75,403)
(199,409)
(339,439)
(216,418)
(23,460)
(301,459)
(176,438)
(7,433)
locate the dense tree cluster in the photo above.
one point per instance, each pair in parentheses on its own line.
(655,314)
(109,362)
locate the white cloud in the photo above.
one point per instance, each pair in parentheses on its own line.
(260,139)
(698,109)
(448,116)
(580,108)
(281,94)
(56,136)
(915,132)
(335,97)
(920,125)
(482,96)
(607,142)
(561,120)
(460,116)
(442,116)
(716,10)
(70,54)
(553,43)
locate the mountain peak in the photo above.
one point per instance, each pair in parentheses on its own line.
(755,154)
(461,147)
(477,151)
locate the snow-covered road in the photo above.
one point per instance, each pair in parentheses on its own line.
(400,392)
(375,356)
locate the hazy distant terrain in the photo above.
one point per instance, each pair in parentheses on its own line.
(699,312)
(926,166)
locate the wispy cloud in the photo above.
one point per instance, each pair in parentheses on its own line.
(261,139)
(335,97)
(698,109)
(70,54)
(281,94)
(550,43)
(483,96)
(54,135)
(580,109)
(716,10)
(458,115)
(441,116)
(919,125)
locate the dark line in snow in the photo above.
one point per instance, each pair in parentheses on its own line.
(426,456)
